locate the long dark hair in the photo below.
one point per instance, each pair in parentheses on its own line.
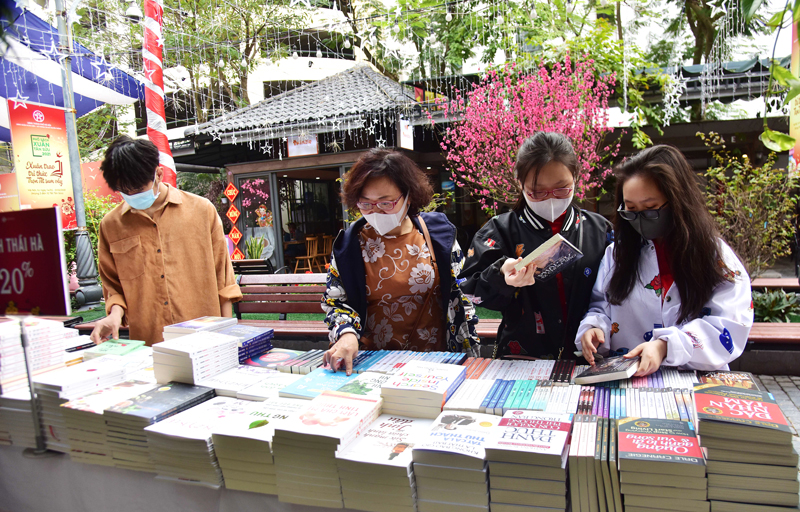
(537,151)
(691,244)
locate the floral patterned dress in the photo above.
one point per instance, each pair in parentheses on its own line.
(404,309)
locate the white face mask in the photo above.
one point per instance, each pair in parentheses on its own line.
(550,209)
(385,222)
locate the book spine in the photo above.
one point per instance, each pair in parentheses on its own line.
(488,398)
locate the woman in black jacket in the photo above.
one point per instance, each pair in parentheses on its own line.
(540,318)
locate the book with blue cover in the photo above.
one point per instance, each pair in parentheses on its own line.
(248,334)
(313,384)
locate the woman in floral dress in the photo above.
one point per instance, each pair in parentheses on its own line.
(392,282)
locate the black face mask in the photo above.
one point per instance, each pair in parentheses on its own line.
(650,224)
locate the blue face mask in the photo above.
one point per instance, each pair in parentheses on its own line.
(142,200)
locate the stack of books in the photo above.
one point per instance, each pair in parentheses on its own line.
(420,389)
(60,386)
(303,364)
(180,446)
(527,454)
(253,341)
(449,463)
(244,444)
(269,387)
(112,348)
(305,446)
(231,382)
(46,350)
(655,452)
(87,433)
(75,348)
(127,420)
(748,446)
(202,324)
(16,420)
(376,471)
(194,357)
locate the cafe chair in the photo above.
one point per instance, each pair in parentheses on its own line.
(311,258)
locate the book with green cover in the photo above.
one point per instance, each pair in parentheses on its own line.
(159,403)
(113,348)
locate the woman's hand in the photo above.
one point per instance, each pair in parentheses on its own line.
(590,340)
(652,353)
(525,277)
(344,350)
(108,328)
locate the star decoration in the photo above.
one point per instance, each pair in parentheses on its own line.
(160,41)
(100,65)
(307,3)
(19,101)
(371,129)
(149,73)
(389,52)
(233,138)
(216,136)
(265,148)
(285,139)
(381,142)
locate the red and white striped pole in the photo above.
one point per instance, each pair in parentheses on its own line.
(154,86)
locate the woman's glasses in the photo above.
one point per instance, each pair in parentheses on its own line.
(647,214)
(380,205)
(558,193)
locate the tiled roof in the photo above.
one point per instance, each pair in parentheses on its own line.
(359,89)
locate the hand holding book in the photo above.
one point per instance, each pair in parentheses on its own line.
(652,353)
(525,276)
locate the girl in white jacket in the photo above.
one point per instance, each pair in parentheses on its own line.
(669,289)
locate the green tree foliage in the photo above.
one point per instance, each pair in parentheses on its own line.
(96,207)
(753,205)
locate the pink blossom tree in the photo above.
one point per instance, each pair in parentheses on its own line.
(254,193)
(490,122)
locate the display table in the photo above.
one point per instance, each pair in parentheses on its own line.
(60,485)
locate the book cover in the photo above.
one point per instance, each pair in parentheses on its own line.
(314,383)
(333,415)
(161,401)
(274,357)
(458,433)
(738,406)
(656,440)
(731,379)
(611,368)
(551,257)
(236,379)
(204,323)
(429,380)
(114,348)
(533,435)
(388,441)
(260,419)
(199,421)
(270,386)
(366,384)
(105,398)
(199,345)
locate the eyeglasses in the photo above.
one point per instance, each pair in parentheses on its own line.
(558,193)
(380,205)
(647,214)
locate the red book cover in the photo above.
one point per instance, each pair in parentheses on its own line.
(739,406)
(658,440)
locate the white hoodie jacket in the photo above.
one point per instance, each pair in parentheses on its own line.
(708,342)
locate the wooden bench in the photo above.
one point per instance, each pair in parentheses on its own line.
(280,293)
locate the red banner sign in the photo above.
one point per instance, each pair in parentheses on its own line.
(33,272)
(235,235)
(231,192)
(237,255)
(233,214)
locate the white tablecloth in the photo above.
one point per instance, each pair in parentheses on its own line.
(60,485)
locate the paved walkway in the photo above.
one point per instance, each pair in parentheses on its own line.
(786,390)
